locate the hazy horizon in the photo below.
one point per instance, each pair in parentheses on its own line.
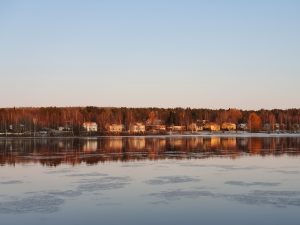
(97,106)
(198,54)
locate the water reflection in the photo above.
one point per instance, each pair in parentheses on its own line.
(52,152)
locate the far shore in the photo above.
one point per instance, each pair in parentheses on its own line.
(198,134)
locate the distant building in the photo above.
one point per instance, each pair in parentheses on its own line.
(115,128)
(155,126)
(137,128)
(195,127)
(296,127)
(176,128)
(228,126)
(64,128)
(90,126)
(61,128)
(212,126)
(267,127)
(242,126)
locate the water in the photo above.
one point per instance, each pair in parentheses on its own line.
(154,180)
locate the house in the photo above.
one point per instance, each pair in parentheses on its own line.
(61,128)
(176,128)
(115,128)
(195,127)
(155,126)
(137,128)
(90,126)
(228,126)
(267,127)
(296,127)
(64,128)
(242,126)
(212,126)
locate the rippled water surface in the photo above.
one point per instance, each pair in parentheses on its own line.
(153,180)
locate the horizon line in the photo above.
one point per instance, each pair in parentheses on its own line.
(147,107)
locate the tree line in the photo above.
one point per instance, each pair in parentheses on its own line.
(28,119)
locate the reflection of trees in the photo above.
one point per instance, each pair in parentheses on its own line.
(52,152)
(255,145)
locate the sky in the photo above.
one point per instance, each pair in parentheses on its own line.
(158,53)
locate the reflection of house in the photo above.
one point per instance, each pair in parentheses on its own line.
(137,128)
(156,144)
(215,141)
(90,146)
(90,126)
(137,143)
(228,126)
(195,142)
(115,128)
(229,143)
(177,142)
(114,144)
(195,127)
(212,126)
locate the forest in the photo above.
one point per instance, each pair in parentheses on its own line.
(29,119)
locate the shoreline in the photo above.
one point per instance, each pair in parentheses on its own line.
(242,135)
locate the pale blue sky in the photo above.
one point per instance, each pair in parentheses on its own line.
(208,54)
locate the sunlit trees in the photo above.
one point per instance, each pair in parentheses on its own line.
(21,119)
(254,122)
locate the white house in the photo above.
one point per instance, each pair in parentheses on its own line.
(90,126)
(137,128)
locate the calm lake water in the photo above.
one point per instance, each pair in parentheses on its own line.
(153,180)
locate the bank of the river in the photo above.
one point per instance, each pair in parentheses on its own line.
(196,134)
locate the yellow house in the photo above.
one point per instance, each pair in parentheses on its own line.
(115,128)
(137,128)
(228,126)
(212,126)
